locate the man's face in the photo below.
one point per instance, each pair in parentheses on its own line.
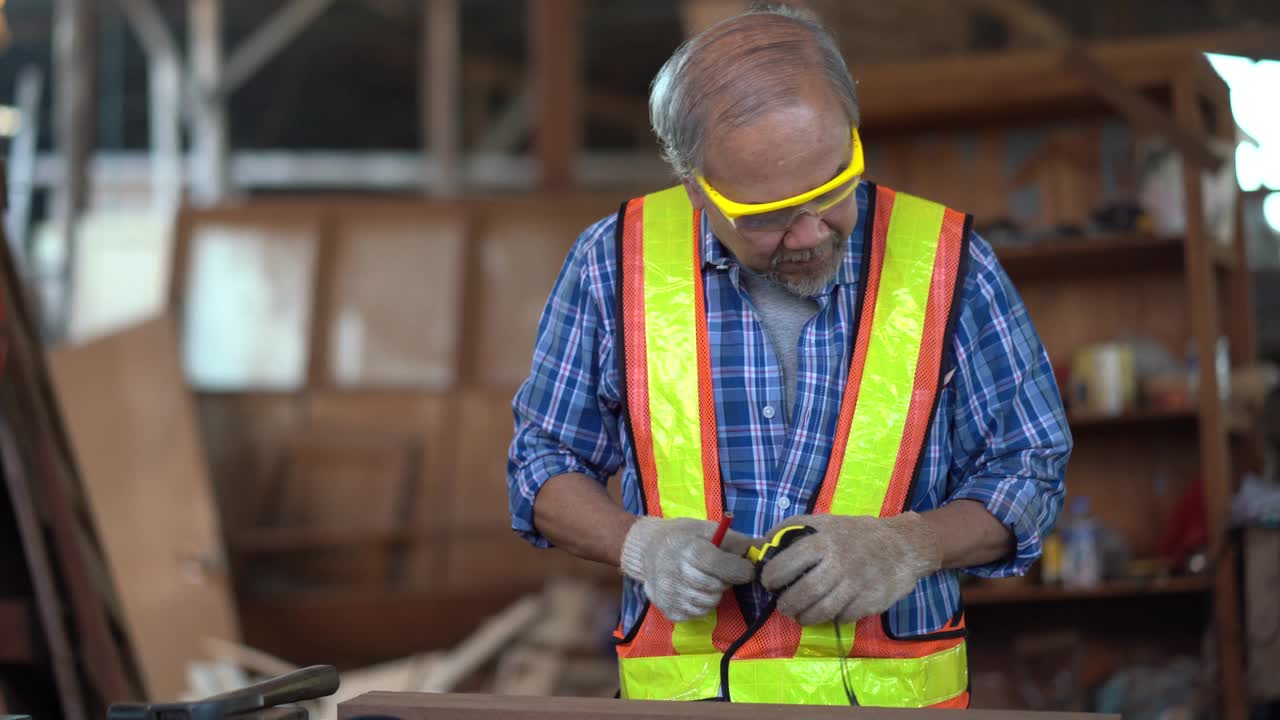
(783,154)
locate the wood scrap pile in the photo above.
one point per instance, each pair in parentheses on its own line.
(62,617)
(542,644)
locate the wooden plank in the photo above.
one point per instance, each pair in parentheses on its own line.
(497,560)
(397,298)
(519,261)
(17,632)
(1137,303)
(493,635)
(243,433)
(479,497)
(132,423)
(437,706)
(247,304)
(53,485)
(555,37)
(343,478)
(48,601)
(367,626)
(429,417)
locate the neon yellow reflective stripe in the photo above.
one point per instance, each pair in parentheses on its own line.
(670,346)
(821,641)
(888,377)
(693,637)
(683,677)
(910,682)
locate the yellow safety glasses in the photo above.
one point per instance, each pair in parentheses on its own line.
(779,214)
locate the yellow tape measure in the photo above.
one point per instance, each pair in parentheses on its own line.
(780,541)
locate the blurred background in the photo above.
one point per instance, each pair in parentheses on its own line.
(274,268)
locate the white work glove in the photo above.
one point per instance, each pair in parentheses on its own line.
(852,567)
(683,574)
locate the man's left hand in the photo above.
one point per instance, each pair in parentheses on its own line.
(852,567)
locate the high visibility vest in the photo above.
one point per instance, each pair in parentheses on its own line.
(913,259)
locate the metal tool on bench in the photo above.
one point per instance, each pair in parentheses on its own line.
(259,701)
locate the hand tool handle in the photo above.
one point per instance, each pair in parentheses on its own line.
(722,528)
(304,684)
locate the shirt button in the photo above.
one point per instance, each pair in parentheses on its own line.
(784,503)
(768,411)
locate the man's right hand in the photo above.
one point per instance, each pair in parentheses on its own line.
(683,574)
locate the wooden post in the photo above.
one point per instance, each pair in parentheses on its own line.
(1215,466)
(211,175)
(558,114)
(74,71)
(164,102)
(22,162)
(441,96)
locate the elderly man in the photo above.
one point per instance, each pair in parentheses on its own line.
(780,340)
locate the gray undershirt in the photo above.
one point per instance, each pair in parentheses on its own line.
(783,315)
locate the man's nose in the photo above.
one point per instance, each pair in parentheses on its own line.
(805,233)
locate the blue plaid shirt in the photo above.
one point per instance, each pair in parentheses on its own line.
(999,435)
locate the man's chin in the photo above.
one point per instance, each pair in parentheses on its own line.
(806,281)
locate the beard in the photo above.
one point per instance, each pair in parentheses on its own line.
(809,270)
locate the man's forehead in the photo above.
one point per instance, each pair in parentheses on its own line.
(778,157)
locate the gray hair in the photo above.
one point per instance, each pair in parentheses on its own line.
(767,54)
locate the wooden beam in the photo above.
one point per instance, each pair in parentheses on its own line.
(1141,112)
(149,25)
(266,42)
(17,636)
(1029,20)
(441,96)
(164,101)
(557,79)
(49,603)
(211,177)
(74,56)
(22,162)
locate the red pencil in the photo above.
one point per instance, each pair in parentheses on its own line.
(722,528)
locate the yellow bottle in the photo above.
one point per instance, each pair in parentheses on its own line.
(1051,562)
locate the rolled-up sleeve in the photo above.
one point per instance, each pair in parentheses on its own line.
(1010,441)
(564,423)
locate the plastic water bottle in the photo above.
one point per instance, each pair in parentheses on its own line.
(1081,557)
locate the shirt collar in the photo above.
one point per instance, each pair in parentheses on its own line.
(715,253)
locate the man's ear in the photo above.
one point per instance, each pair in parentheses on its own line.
(696,198)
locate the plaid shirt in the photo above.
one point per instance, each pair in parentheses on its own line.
(999,435)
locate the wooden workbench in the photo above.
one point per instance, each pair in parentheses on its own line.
(426,706)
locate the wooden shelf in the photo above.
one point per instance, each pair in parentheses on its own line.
(994,594)
(1235,423)
(1083,421)
(1124,252)
(1032,85)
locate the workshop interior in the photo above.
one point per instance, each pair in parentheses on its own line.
(274,273)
